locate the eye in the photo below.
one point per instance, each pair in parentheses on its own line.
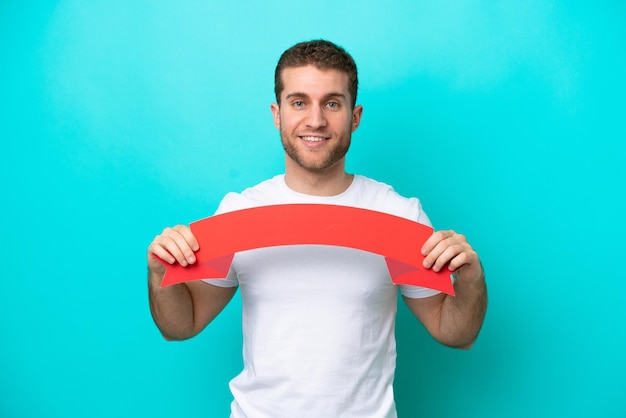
(333,105)
(298,103)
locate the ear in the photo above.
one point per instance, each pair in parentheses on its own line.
(356,117)
(275,108)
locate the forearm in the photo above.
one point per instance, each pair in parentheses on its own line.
(462,315)
(171,308)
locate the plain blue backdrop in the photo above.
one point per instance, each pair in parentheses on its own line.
(118,118)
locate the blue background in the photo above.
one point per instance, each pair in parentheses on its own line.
(119,118)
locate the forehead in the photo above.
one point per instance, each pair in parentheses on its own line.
(313,81)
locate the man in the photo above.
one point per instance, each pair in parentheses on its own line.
(318,321)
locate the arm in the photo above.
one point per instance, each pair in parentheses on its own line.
(181,311)
(453,320)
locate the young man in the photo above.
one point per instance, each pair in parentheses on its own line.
(318,321)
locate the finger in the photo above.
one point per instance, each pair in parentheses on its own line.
(185,231)
(447,255)
(170,245)
(186,242)
(435,246)
(434,240)
(445,250)
(465,258)
(179,247)
(159,251)
(172,242)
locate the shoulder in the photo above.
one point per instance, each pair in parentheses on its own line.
(373,186)
(382,197)
(261,194)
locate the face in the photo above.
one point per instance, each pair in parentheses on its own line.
(315,118)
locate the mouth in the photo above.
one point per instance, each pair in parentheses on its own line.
(312,140)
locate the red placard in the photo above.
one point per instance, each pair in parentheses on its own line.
(398,239)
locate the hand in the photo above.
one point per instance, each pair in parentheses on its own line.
(175,244)
(452,249)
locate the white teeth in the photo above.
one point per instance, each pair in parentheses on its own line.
(313,138)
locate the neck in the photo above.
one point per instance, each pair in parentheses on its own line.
(329,182)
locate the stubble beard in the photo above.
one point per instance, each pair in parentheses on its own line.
(334,155)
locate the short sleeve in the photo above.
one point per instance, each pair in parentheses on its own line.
(228,281)
(417,292)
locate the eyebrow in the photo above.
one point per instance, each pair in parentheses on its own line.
(326,97)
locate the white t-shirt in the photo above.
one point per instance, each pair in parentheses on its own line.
(318,321)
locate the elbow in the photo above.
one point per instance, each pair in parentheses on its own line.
(465,347)
(457,342)
(170,338)
(458,345)
(179,335)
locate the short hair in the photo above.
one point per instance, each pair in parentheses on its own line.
(324,55)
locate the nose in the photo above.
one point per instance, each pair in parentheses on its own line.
(316,118)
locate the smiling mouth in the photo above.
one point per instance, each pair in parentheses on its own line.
(313,138)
